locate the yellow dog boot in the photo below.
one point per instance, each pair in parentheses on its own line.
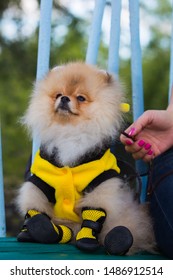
(87,237)
(38,227)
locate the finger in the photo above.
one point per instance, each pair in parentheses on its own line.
(135,147)
(145,153)
(139,149)
(144,120)
(128,133)
(126,141)
(132,149)
(149,157)
(127,138)
(142,155)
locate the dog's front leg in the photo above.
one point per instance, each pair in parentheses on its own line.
(38,225)
(87,237)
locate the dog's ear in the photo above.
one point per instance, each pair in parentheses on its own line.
(108,78)
(57,68)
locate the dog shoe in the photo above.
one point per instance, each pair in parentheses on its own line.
(87,237)
(118,241)
(39,228)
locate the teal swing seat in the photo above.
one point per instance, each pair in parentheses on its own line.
(10,249)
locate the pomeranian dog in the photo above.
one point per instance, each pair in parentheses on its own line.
(75,193)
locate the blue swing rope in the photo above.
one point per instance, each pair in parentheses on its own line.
(43,50)
(136,60)
(95,32)
(137,79)
(114,44)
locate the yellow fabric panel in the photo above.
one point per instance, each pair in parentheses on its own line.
(70,182)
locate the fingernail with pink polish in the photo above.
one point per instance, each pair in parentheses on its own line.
(150,153)
(147,146)
(128,142)
(131,132)
(141,143)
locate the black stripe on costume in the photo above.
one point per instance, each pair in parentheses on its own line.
(106,175)
(44,187)
(95,153)
(50,192)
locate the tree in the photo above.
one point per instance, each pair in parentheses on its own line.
(156,55)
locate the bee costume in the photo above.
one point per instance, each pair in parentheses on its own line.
(64,186)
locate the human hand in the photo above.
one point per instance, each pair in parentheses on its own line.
(150,135)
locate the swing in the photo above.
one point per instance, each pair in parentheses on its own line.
(9,247)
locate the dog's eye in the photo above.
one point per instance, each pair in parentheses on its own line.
(58,95)
(81,98)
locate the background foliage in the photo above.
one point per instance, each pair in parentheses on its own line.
(18,58)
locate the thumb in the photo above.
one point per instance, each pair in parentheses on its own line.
(144,120)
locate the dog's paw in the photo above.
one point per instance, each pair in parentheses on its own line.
(118,241)
(39,228)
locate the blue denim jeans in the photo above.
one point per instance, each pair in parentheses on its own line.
(161,201)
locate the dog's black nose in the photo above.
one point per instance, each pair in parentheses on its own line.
(65,99)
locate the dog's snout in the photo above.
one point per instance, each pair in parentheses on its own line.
(64,103)
(65,99)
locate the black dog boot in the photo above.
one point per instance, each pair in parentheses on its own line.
(39,228)
(118,241)
(93,220)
